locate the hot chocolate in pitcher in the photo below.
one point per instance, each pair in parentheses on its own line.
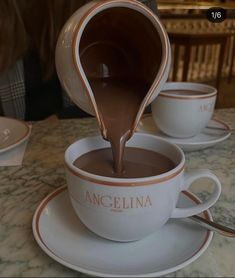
(113,58)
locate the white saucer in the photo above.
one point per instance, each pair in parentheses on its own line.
(62,236)
(13,132)
(207,138)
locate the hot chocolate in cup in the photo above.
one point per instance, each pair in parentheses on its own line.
(127,209)
(183,109)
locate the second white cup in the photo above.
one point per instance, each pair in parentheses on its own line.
(183,109)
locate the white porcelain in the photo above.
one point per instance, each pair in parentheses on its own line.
(208,137)
(130,209)
(184,115)
(68,62)
(65,239)
(13,132)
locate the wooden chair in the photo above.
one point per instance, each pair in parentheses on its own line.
(230,73)
(205,50)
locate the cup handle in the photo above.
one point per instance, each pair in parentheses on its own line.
(189,178)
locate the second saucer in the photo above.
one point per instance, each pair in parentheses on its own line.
(216,132)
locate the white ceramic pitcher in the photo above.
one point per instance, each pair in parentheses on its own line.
(111,27)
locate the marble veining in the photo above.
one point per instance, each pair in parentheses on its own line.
(23,187)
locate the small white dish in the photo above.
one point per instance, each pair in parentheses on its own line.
(13,132)
(62,236)
(216,132)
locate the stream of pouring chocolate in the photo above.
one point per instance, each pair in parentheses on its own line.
(118,102)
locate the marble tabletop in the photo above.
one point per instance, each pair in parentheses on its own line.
(23,187)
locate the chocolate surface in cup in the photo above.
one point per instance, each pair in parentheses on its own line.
(138,163)
(184,92)
(121,54)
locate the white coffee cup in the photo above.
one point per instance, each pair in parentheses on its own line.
(130,209)
(183,109)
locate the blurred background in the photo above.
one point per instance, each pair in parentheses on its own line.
(202,51)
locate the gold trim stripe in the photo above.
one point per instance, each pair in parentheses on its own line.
(162,94)
(41,208)
(227,127)
(123,184)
